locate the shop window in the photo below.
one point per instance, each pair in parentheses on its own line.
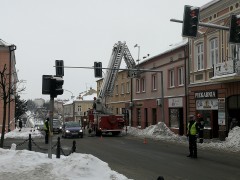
(174,118)
(154,116)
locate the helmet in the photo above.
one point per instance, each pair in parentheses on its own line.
(199,115)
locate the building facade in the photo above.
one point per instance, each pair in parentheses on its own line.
(8,61)
(159,91)
(214,89)
(75,109)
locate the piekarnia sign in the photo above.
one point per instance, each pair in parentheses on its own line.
(205,94)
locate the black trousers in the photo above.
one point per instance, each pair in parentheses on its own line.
(200,136)
(193,145)
(46,137)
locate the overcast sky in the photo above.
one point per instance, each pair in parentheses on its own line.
(83,31)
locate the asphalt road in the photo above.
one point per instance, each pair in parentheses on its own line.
(146,161)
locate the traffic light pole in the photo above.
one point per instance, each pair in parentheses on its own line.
(50,127)
(205,25)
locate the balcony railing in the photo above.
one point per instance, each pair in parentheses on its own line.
(228,70)
(79,113)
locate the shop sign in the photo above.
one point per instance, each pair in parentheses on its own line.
(206,94)
(207,104)
(175,102)
(221,111)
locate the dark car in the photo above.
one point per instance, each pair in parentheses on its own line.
(72,129)
(57,126)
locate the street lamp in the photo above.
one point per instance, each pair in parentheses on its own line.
(136,45)
(70,92)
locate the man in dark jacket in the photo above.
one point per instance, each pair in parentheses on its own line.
(46,129)
(20,125)
(201,127)
(192,130)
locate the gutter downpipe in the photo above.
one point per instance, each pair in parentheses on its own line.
(11,49)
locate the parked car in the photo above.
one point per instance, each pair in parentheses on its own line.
(57,126)
(39,127)
(72,129)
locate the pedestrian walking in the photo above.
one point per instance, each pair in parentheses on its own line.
(192,130)
(201,127)
(46,129)
(20,125)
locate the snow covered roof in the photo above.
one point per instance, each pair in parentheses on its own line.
(205,6)
(173,47)
(83,98)
(5,44)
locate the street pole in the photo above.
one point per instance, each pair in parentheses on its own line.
(162,96)
(50,127)
(205,25)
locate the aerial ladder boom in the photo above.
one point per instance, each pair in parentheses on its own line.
(120,50)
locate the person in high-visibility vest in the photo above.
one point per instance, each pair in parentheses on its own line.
(46,129)
(192,131)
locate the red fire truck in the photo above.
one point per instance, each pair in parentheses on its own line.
(100,118)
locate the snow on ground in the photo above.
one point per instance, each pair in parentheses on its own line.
(24,164)
(24,133)
(161,132)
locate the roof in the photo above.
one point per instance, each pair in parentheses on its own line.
(5,44)
(205,6)
(84,98)
(173,47)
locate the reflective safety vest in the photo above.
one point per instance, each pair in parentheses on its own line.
(46,126)
(193,130)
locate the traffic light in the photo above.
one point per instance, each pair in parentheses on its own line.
(56,86)
(98,69)
(190,21)
(234,36)
(59,68)
(46,84)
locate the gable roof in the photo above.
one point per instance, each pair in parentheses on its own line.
(5,44)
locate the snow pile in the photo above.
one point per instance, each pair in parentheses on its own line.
(24,133)
(233,139)
(231,143)
(23,164)
(159,131)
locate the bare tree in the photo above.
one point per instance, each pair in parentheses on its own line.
(6,90)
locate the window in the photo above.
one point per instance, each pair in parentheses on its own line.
(138,85)
(154,82)
(235,50)
(180,76)
(214,51)
(116,89)
(200,56)
(143,85)
(171,78)
(122,88)
(128,87)
(79,108)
